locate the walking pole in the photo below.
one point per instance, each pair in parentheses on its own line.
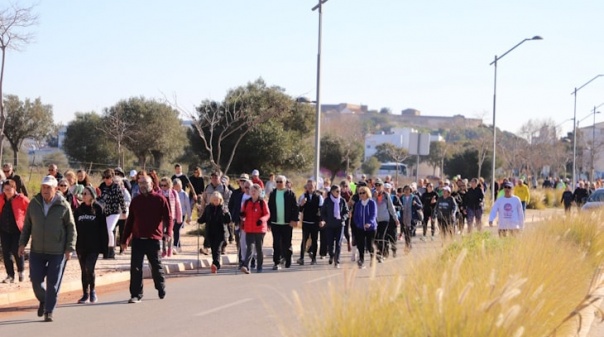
(198,235)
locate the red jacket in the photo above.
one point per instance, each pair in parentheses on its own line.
(254,212)
(19,203)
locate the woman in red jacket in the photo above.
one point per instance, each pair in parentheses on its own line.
(12,213)
(254,217)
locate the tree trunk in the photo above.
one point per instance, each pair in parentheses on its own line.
(15,155)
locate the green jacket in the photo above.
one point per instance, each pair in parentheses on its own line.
(54,233)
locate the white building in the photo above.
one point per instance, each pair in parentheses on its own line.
(400,137)
(591,138)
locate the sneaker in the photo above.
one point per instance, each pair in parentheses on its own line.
(84,299)
(337,266)
(48,317)
(214,269)
(253,263)
(288,263)
(393,253)
(203,250)
(163,254)
(353,257)
(134,300)
(259,270)
(174,252)
(300,262)
(9,279)
(245,270)
(93,297)
(330,260)
(277,267)
(161,293)
(432,238)
(41,309)
(21,277)
(313,262)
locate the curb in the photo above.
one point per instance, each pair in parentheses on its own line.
(117,276)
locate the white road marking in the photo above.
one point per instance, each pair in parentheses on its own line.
(322,278)
(226,306)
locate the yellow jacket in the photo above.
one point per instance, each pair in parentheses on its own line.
(522,192)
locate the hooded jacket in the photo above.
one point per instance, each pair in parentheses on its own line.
(53,233)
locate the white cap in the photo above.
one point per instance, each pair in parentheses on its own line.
(133,173)
(49,181)
(447,188)
(255,173)
(387,185)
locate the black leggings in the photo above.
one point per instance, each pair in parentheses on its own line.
(87,264)
(364,239)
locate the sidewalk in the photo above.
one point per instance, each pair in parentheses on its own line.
(115,271)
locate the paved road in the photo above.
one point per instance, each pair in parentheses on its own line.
(229,303)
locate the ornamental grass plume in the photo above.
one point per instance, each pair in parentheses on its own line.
(480,285)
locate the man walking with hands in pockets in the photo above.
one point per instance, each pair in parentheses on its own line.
(149,212)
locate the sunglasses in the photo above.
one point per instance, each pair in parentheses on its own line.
(508,188)
(62,185)
(86,193)
(279,181)
(163,185)
(246,188)
(361,193)
(336,191)
(106,177)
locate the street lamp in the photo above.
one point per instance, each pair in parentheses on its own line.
(318,7)
(574,182)
(494,63)
(593,143)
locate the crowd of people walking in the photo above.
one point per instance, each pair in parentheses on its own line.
(145,212)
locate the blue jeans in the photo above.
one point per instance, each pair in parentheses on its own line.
(51,267)
(523,208)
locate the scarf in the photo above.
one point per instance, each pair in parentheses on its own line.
(336,206)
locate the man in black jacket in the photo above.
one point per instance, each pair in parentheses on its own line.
(9,172)
(284,217)
(310,206)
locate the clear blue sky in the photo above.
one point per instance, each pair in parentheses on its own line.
(429,55)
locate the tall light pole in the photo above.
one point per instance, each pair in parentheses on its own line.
(318,7)
(574,182)
(593,143)
(494,63)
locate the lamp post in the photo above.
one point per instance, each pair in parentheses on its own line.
(317,168)
(593,144)
(494,63)
(574,182)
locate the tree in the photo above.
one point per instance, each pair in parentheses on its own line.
(350,131)
(223,125)
(14,22)
(336,155)
(117,128)
(386,111)
(389,152)
(154,131)
(465,163)
(85,145)
(26,119)
(370,166)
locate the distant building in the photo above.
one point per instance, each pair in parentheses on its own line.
(591,138)
(399,138)
(343,108)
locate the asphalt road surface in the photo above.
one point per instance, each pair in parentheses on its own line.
(227,304)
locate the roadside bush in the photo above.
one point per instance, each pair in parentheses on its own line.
(537,200)
(529,285)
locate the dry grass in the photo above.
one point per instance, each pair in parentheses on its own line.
(481,286)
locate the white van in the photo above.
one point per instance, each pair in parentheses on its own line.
(390,169)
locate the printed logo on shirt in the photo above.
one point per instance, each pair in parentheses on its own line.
(507,211)
(85,217)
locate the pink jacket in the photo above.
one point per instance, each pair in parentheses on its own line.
(175,208)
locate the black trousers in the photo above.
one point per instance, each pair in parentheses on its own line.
(282,243)
(365,240)
(10,249)
(216,246)
(87,265)
(334,242)
(150,249)
(391,237)
(428,217)
(309,230)
(322,242)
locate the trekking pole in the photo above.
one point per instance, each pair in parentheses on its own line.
(198,257)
